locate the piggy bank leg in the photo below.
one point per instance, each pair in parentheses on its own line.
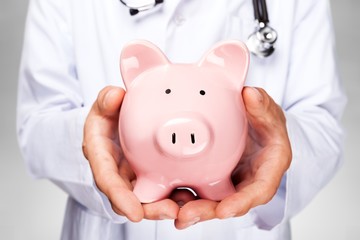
(148,191)
(217,191)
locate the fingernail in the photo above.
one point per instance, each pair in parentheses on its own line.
(109,95)
(258,93)
(106,99)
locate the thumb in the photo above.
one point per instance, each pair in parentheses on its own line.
(260,106)
(256,101)
(109,101)
(264,115)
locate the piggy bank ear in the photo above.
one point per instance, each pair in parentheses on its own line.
(137,57)
(232,56)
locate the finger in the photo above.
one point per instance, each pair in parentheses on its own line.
(260,185)
(125,203)
(258,193)
(104,162)
(161,210)
(254,100)
(264,115)
(268,124)
(257,102)
(109,101)
(127,173)
(101,149)
(108,180)
(102,120)
(194,212)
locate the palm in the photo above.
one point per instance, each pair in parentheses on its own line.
(112,172)
(266,157)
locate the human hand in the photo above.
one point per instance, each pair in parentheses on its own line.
(258,175)
(112,173)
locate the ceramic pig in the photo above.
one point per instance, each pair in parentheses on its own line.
(183,125)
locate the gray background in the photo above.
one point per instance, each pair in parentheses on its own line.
(33,209)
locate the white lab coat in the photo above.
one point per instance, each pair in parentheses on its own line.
(71,51)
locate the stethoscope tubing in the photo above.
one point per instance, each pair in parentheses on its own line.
(260,43)
(260,11)
(133,10)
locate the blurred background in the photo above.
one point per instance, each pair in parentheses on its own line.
(33,209)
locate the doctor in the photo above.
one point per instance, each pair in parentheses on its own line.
(70,92)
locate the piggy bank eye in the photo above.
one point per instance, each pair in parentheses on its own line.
(167,91)
(202,92)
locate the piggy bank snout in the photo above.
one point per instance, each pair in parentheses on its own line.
(184,137)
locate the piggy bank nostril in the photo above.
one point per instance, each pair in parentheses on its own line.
(183,137)
(173,138)
(192,138)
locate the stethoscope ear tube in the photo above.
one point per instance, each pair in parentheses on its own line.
(260,43)
(260,11)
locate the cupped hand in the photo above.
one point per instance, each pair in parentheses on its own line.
(257,177)
(112,173)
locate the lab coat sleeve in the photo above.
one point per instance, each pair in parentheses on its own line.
(50,113)
(313,104)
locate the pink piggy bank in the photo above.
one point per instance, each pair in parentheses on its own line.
(183,125)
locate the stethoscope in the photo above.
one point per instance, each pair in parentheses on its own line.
(261,42)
